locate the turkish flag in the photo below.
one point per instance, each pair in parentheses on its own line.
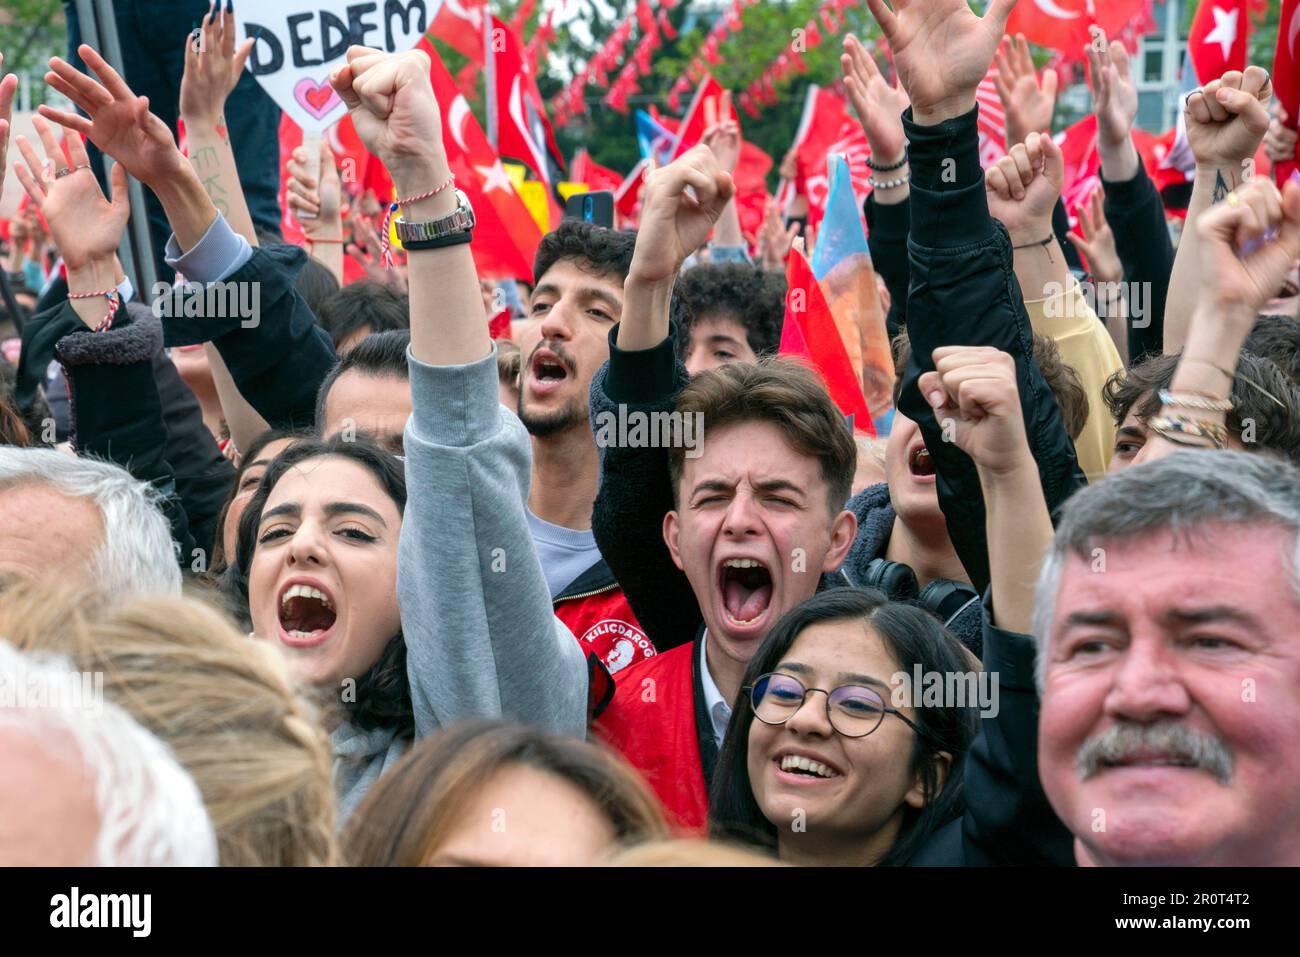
(809,332)
(505,237)
(827,126)
(1078,144)
(627,198)
(1217,42)
(598,177)
(751,169)
(1286,76)
(523,131)
(1062,25)
(460,26)
(991,121)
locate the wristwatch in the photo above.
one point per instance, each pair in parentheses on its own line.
(436,233)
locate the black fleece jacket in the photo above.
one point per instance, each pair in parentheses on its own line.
(280,356)
(111,397)
(117,414)
(964,292)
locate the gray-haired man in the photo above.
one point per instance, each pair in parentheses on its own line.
(1168,620)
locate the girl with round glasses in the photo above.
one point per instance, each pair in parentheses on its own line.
(824,762)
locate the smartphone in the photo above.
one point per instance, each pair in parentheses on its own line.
(595,207)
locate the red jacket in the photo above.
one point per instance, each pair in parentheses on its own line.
(656,721)
(595,610)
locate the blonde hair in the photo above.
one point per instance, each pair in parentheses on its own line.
(225,705)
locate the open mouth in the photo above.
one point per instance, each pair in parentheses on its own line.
(746,587)
(306,615)
(548,370)
(920,463)
(804,766)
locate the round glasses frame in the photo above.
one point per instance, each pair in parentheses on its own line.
(752,691)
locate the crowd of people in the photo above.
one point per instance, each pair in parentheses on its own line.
(344,580)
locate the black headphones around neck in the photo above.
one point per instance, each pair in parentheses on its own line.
(943,597)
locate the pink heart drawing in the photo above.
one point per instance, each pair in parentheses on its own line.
(316,98)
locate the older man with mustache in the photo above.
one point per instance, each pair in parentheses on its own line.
(1168,621)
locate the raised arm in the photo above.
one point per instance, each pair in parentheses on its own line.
(1226,121)
(277,354)
(963,287)
(1028,100)
(108,358)
(1007,819)
(644,375)
(1247,244)
(879,107)
(213,65)
(480,634)
(1132,208)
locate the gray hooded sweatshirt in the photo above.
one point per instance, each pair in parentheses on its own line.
(481,637)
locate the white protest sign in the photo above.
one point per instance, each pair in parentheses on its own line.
(300,42)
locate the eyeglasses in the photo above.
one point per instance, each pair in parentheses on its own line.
(853,710)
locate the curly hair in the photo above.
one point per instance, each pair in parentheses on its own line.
(753,297)
(606,253)
(1263,397)
(1276,338)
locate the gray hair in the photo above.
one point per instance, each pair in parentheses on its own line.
(1178,493)
(136,556)
(150,811)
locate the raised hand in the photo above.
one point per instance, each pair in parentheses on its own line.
(213,65)
(1114,94)
(321,202)
(1248,244)
(1280,140)
(1022,188)
(84,225)
(1097,244)
(775,238)
(722,132)
(682,202)
(8,84)
(1227,118)
(393,108)
(119,123)
(1027,99)
(942,51)
(976,401)
(879,105)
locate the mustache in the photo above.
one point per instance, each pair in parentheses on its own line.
(1168,738)
(561,353)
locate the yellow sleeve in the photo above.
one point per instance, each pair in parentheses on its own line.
(1069,321)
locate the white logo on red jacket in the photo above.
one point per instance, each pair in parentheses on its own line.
(626,643)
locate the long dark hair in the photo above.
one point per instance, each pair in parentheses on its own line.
(217,566)
(383,694)
(913,637)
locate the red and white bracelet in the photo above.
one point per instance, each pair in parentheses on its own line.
(385,249)
(114,300)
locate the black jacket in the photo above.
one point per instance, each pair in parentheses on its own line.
(964,292)
(278,358)
(1007,818)
(1137,218)
(130,406)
